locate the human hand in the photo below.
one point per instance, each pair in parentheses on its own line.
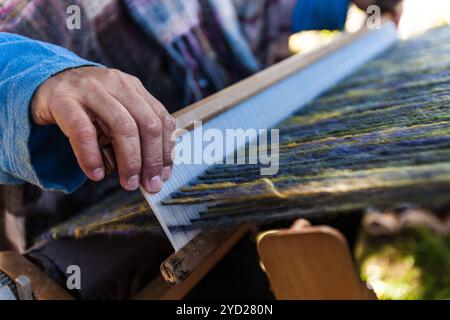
(88,102)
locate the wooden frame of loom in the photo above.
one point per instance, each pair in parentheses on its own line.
(186,267)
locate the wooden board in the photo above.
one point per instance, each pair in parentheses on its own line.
(310,263)
(182,271)
(15,265)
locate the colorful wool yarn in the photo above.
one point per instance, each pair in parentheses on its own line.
(380,139)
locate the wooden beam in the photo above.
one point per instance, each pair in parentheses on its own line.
(308,262)
(15,265)
(183,270)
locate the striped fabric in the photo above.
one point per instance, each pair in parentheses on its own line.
(379,139)
(181,50)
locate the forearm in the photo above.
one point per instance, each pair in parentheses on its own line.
(27,154)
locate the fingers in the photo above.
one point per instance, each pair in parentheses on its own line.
(151,137)
(155,126)
(169,126)
(124,135)
(78,127)
(100,100)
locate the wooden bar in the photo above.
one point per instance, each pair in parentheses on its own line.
(200,255)
(15,265)
(311,262)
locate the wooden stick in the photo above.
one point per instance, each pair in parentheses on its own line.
(311,262)
(200,255)
(15,265)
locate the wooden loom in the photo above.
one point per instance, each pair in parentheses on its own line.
(245,105)
(291,83)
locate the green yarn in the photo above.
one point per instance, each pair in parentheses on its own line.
(381,138)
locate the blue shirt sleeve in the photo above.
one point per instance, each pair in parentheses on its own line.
(319,15)
(39,155)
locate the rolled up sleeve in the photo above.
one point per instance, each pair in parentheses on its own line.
(38,155)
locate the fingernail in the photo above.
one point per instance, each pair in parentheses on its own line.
(154,185)
(98,174)
(166,173)
(132,183)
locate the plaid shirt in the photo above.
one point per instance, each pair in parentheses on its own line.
(193,47)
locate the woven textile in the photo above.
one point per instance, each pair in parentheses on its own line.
(212,54)
(118,215)
(379,139)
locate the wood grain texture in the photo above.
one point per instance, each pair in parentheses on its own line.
(310,263)
(15,265)
(159,289)
(200,255)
